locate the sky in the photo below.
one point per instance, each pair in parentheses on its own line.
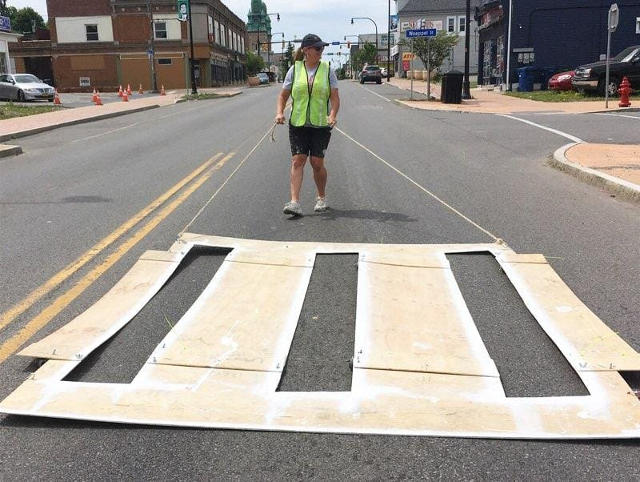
(330,19)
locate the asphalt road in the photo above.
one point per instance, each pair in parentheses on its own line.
(74,186)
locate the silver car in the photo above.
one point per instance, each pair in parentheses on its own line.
(23,87)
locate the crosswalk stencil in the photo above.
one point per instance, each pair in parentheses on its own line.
(420,366)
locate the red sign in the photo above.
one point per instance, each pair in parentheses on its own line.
(405,65)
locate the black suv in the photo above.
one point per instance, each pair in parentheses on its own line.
(371,73)
(591,77)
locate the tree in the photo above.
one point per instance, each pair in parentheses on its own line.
(365,55)
(255,63)
(24,20)
(287,59)
(433,51)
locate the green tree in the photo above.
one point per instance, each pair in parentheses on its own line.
(255,63)
(287,59)
(364,55)
(433,51)
(24,20)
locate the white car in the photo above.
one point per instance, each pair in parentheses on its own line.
(23,87)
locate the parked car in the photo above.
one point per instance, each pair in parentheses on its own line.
(562,81)
(591,77)
(264,77)
(371,73)
(23,87)
(383,71)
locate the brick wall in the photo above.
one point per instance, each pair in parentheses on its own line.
(78,8)
(131,29)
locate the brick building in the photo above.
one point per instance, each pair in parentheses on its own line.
(107,43)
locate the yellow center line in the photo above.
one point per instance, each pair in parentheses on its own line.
(12,313)
(9,347)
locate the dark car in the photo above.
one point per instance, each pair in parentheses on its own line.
(371,73)
(591,77)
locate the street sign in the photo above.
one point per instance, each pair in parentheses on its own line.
(425,32)
(5,24)
(614,17)
(183,10)
(335,43)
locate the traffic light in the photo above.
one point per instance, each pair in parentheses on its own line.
(282,44)
(348,45)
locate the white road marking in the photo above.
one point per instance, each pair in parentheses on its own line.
(105,133)
(375,93)
(555,131)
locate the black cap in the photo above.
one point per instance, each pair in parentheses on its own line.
(311,40)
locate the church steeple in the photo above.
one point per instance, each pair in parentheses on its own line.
(258,20)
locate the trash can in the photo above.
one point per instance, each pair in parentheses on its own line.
(528,77)
(452,87)
(545,75)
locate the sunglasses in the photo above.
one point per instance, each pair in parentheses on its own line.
(318,49)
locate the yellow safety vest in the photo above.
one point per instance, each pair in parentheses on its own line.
(310,103)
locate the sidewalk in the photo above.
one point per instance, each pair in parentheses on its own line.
(24,126)
(614,167)
(493,102)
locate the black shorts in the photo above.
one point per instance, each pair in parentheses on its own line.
(311,141)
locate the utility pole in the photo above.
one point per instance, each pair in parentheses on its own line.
(389,45)
(152,56)
(194,88)
(466,85)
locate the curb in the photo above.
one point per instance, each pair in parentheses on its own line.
(6,151)
(38,130)
(615,185)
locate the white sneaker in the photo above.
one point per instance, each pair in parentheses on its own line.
(292,208)
(321,205)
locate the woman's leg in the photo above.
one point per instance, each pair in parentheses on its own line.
(319,174)
(297,169)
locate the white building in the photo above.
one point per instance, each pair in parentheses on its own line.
(6,36)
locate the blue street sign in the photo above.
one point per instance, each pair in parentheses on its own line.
(425,32)
(335,43)
(5,24)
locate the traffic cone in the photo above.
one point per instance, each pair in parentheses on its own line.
(56,98)
(98,99)
(95,96)
(129,89)
(120,92)
(140,91)
(125,96)
(162,92)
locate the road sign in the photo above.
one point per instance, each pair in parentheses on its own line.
(335,43)
(424,32)
(614,17)
(183,10)
(5,24)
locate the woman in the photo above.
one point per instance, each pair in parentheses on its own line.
(313,86)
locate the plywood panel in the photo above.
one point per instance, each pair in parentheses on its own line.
(86,332)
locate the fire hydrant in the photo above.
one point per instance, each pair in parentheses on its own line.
(625,91)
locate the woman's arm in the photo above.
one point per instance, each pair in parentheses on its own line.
(335,107)
(282,102)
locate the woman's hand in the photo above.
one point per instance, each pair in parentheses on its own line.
(280,118)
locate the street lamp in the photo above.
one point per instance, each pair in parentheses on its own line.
(260,15)
(350,56)
(282,45)
(376,25)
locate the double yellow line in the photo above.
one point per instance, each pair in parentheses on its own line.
(198,176)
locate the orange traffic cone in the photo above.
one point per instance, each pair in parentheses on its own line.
(125,96)
(129,89)
(56,98)
(95,95)
(162,92)
(98,99)
(140,91)
(120,92)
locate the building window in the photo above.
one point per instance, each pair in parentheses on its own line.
(92,33)
(638,25)
(164,61)
(160,30)
(462,24)
(451,24)
(223,35)
(242,45)
(216,31)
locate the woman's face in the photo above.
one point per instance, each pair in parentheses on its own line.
(313,54)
